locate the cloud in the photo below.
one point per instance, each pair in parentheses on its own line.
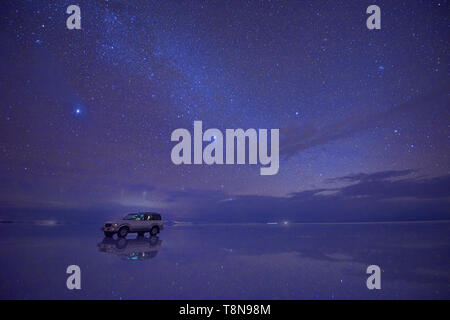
(381,175)
(382,188)
(392,195)
(380,196)
(195,196)
(298,138)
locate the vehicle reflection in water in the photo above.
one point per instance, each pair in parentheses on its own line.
(141,248)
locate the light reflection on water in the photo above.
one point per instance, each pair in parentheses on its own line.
(296,261)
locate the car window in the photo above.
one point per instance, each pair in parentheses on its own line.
(135,216)
(131,216)
(142,216)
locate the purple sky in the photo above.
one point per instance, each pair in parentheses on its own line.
(86,115)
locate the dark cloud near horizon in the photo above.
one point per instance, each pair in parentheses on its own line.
(380,196)
(385,195)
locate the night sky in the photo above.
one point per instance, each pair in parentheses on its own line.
(86,115)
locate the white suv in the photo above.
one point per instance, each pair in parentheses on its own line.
(139,223)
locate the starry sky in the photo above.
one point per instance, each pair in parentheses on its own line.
(86,115)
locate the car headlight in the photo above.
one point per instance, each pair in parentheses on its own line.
(115,224)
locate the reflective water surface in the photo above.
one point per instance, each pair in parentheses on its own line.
(296,261)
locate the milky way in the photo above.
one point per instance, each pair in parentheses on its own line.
(86,115)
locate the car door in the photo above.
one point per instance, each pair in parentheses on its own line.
(141,222)
(134,223)
(148,221)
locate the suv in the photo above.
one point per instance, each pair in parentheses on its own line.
(139,223)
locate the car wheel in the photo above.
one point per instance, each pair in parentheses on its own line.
(154,231)
(122,232)
(108,234)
